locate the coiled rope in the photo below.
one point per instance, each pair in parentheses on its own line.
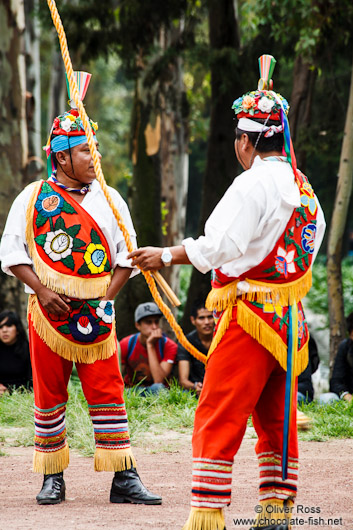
(100,177)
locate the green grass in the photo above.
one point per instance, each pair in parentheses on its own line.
(329,421)
(157,422)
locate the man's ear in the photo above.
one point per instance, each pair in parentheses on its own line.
(244,142)
(192,320)
(137,326)
(61,157)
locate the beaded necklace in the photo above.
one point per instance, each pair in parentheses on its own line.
(85,189)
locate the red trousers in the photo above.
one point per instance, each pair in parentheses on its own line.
(103,388)
(242,379)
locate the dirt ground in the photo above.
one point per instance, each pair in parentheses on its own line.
(325,488)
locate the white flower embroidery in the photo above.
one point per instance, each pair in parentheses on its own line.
(285,261)
(265,104)
(58,245)
(105,311)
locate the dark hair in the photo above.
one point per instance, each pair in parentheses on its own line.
(349,321)
(263,145)
(12,319)
(199,303)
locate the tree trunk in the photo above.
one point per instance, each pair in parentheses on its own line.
(145,197)
(33,99)
(13,138)
(159,154)
(338,223)
(221,165)
(173,151)
(304,77)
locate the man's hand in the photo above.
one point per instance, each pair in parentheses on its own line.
(56,304)
(147,258)
(347,397)
(3,389)
(156,334)
(198,387)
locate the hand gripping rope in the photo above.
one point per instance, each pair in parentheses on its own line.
(149,277)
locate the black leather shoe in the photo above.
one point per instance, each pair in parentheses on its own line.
(271,527)
(53,489)
(127,487)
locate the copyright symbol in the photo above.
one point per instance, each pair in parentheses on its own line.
(258,508)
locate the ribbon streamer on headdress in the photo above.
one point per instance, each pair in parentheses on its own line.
(82,81)
(267,65)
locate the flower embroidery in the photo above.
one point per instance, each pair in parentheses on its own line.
(265,104)
(284,262)
(95,258)
(271,308)
(49,204)
(308,238)
(307,197)
(84,328)
(106,312)
(58,245)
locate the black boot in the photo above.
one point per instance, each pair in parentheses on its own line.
(271,527)
(127,487)
(53,489)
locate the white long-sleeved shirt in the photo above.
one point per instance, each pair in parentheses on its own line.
(13,246)
(249,219)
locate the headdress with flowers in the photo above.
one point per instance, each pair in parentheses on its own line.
(67,129)
(266,104)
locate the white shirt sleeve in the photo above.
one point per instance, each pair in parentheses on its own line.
(233,224)
(13,247)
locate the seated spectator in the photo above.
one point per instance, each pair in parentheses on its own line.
(305,384)
(341,382)
(15,363)
(147,357)
(191,371)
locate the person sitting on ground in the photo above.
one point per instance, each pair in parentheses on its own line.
(341,382)
(147,357)
(305,384)
(191,370)
(15,363)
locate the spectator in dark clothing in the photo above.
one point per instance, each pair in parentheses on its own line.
(15,364)
(342,376)
(305,384)
(191,371)
(341,382)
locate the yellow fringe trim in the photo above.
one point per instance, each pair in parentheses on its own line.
(71,351)
(223,325)
(205,519)
(282,294)
(113,459)
(72,286)
(267,337)
(276,509)
(53,462)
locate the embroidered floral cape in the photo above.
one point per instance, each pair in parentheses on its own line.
(283,278)
(71,256)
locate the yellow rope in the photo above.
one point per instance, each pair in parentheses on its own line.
(100,177)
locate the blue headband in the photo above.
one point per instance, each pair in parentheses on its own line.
(62,142)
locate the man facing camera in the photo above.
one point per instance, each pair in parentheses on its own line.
(191,370)
(147,357)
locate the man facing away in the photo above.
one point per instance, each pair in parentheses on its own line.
(192,371)
(62,241)
(260,241)
(147,357)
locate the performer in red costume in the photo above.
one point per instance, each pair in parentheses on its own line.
(260,241)
(61,239)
